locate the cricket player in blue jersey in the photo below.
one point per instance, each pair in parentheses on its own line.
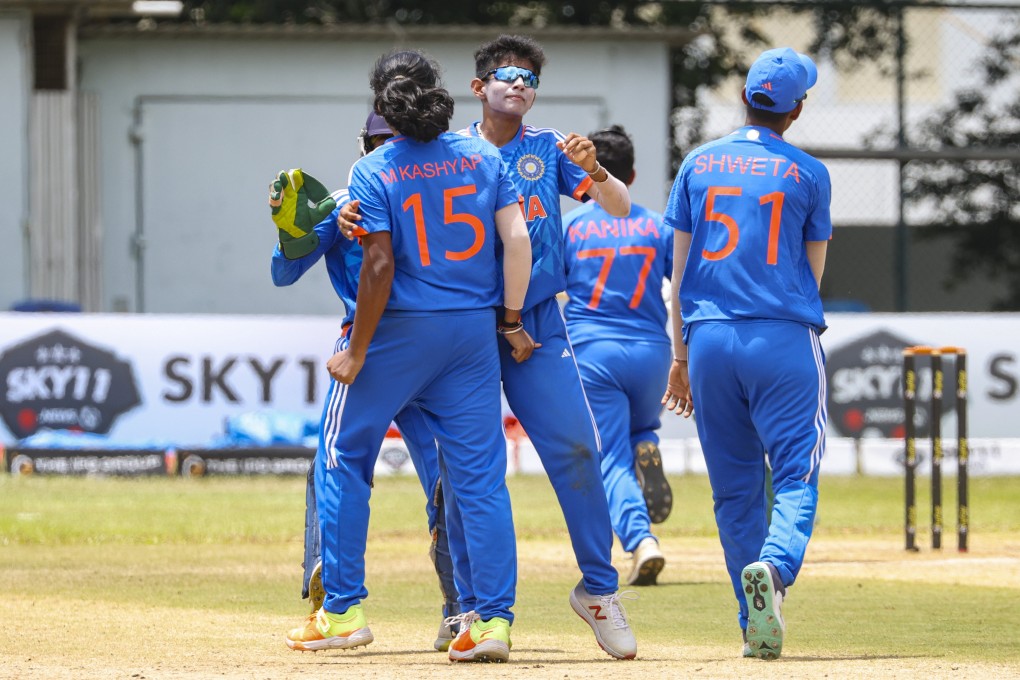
(425,334)
(342,259)
(616,319)
(545,393)
(751,214)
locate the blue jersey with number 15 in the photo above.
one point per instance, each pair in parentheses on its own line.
(750,201)
(438,200)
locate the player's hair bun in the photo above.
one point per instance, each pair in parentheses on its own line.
(409,95)
(417,112)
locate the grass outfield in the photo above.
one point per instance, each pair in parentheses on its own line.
(180,578)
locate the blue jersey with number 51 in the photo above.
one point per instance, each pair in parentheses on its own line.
(750,201)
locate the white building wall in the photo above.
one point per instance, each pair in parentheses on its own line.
(217,119)
(15,29)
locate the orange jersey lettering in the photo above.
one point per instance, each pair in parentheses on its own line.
(535,208)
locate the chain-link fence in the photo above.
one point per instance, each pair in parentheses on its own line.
(922,140)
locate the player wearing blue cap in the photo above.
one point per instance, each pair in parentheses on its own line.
(752,218)
(424,334)
(342,259)
(616,318)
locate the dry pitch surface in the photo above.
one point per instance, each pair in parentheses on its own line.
(70,638)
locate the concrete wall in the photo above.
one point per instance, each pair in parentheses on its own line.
(213,121)
(15,74)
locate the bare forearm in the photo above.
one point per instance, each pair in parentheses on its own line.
(681,248)
(373,293)
(513,231)
(816,251)
(612,195)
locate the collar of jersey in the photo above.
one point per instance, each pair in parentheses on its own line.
(509,146)
(764,131)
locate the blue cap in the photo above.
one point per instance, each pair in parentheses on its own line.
(376,125)
(782,75)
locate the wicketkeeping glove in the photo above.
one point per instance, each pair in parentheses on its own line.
(295,219)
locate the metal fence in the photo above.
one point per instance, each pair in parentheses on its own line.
(914,141)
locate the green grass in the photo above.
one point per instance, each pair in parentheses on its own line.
(269,510)
(233,545)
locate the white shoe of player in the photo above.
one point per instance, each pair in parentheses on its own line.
(764,594)
(648,562)
(608,620)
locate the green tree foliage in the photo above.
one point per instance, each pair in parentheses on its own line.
(976,204)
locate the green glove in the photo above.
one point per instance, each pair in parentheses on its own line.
(295,219)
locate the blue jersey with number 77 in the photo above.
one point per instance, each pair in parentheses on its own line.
(750,200)
(615,269)
(438,200)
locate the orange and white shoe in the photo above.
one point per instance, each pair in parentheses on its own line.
(480,640)
(326,630)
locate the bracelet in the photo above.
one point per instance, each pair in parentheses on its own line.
(679,360)
(508,329)
(595,176)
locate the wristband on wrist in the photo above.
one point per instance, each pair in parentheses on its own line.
(599,174)
(510,310)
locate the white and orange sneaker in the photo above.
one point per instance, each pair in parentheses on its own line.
(480,640)
(326,630)
(607,618)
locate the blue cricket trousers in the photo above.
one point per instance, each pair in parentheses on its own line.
(759,386)
(421,447)
(624,382)
(446,363)
(546,395)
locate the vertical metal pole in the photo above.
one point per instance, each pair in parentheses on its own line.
(962,452)
(910,446)
(901,269)
(138,238)
(937,379)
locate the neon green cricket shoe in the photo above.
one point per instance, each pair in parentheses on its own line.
(326,630)
(481,640)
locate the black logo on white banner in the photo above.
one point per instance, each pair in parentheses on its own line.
(60,382)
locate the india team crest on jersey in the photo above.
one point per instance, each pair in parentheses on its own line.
(530,167)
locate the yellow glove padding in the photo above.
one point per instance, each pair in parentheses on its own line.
(289,197)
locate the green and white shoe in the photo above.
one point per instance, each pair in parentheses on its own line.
(765,626)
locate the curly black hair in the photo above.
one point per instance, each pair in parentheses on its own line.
(409,95)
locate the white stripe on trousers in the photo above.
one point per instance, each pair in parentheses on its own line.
(820,413)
